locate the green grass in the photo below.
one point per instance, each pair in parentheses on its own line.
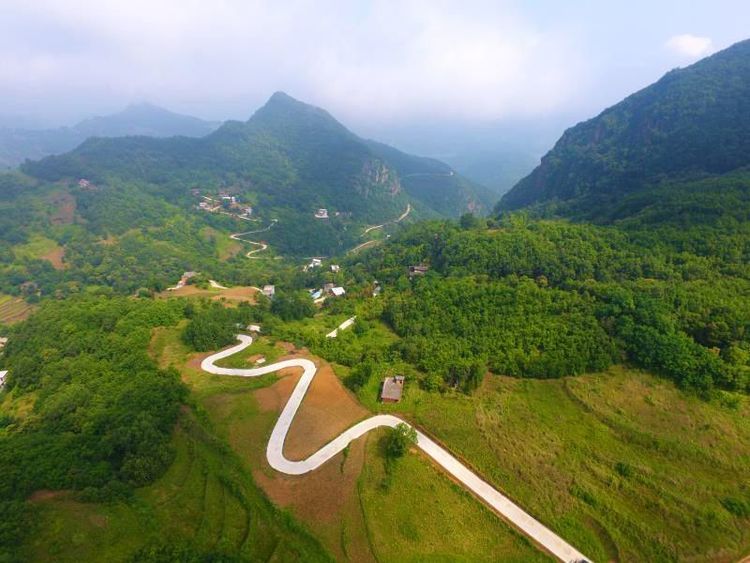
(37,247)
(415,513)
(261,346)
(622,465)
(206,500)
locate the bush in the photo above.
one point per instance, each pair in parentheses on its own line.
(399,440)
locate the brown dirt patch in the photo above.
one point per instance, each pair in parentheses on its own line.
(56,258)
(45,494)
(232,295)
(327,498)
(65,205)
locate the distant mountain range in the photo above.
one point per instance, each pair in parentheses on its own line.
(288,160)
(682,142)
(17,144)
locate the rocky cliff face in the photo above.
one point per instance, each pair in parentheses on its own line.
(377,177)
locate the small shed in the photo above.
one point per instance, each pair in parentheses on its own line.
(393,388)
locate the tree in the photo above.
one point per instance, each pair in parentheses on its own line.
(399,440)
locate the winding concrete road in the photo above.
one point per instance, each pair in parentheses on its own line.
(400,218)
(262,245)
(524,522)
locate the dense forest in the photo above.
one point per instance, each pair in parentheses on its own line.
(550,298)
(102,414)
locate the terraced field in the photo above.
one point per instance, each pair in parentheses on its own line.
(205,500)
(13,309)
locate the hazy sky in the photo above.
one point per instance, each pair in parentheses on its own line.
(367,62)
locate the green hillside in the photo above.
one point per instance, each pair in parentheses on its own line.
(289,159)
(692,124)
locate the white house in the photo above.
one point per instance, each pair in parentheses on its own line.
(269,291)
(335,268)
(321,213)
(337,291)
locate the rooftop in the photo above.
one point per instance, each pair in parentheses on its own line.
(393,387)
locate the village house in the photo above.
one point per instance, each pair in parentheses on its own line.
(3,341)
(316,294)
(3,374)
(327,287)
(84,183)
(393,388)
(269,291)
(321,213)
(253,328)
(335,268)
(338,291)
(418,270)
(248,211)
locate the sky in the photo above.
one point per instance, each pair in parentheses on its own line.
(372,64)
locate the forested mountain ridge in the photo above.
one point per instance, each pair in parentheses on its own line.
(693,123)
(17,145)
(288,155)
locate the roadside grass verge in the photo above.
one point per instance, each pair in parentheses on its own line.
(414,512)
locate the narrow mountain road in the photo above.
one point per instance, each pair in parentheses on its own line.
(343,326)
(542,535)
(400,218)
(262,246)
(440,174)
(363,245)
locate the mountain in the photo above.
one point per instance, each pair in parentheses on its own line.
(18,144)
(693,124)
(288,159)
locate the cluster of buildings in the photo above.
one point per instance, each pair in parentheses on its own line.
(225,200)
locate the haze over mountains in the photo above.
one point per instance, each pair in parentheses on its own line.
(19,144)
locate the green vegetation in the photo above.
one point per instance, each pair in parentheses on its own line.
(399,440)
(621,464)
(693,122)
(205,508)
(290,159)
(425,516)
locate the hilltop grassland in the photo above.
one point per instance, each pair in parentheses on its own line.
(621,464)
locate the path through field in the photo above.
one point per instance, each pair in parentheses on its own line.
(543,536)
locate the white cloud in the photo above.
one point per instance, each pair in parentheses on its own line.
(379,59)
(691,46)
